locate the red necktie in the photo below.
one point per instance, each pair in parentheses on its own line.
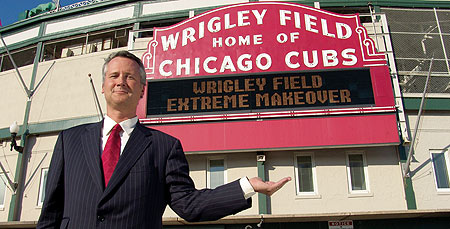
(111,153)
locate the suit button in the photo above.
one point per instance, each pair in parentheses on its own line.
(101,218)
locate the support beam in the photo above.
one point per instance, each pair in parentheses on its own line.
(406,168)
(15,206)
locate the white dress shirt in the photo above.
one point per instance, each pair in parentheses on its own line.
(128,127)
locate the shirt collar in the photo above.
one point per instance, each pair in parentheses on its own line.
(127,125)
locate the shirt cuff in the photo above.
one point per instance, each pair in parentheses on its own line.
(247,188)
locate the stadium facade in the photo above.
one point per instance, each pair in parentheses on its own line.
(335,94)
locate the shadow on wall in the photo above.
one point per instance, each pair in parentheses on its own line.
(425,163)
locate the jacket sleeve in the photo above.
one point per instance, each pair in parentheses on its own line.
(199,205)
(52,209)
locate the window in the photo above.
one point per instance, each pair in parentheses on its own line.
(85,43)
(305,174)
(3,183)
(357,173)
(44,173)
(440,163)
(147,27)
(216,174)
(21,57)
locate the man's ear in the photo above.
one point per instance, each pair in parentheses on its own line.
(143,92)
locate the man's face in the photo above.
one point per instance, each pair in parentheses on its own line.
(122,87)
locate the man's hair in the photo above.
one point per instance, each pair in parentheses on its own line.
(128,55)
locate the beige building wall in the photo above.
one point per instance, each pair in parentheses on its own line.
(14,98)
(65,93)
(385,183)
(41,154)
(40,150)
(8,160)
(433,134)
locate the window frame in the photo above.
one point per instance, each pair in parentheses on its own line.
(365,169)
(314,193)
(208,168)
(5,182)
(447,161)
(42,185)
(18,61)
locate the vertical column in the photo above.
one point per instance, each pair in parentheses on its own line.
(409,189)
(262,199)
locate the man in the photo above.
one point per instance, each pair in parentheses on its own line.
(91,184)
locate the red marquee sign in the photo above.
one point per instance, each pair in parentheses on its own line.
(290,76)
(260,37)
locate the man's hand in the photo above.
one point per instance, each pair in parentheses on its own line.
(267,187)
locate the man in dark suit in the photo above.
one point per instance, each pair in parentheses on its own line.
(119,174)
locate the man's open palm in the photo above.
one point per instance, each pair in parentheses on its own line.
(267,187)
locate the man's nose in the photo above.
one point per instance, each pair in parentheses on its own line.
(121,80)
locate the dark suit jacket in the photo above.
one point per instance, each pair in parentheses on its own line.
(151,173)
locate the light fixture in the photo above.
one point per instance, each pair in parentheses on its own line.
(14,129)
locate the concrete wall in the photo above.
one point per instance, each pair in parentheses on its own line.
(433,134)
(40,150)
(64,93)
(41,154)
(384,176)
(8,160)
(13,95)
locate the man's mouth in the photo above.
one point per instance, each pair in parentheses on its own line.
(120,91)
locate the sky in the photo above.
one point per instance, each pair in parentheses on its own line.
(10,10)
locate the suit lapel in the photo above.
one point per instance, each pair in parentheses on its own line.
(136,145)
(91,150)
